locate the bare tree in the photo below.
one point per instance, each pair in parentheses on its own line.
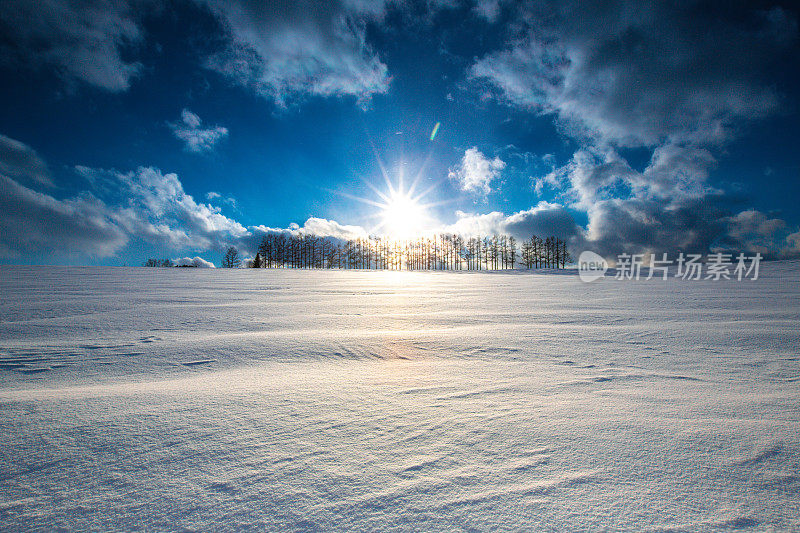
(435,252)
(158,263)
(527,253)
(231,258)
(565,255)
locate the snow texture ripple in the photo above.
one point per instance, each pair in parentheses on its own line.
(183,399)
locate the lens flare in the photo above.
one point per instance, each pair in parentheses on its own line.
(435,130)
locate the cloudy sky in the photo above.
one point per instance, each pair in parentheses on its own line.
(142,128)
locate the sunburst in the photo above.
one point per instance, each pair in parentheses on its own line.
(401,212)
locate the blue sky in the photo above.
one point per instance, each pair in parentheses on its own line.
(138,128)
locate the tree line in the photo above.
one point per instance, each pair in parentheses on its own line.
(158,263)
(436,252)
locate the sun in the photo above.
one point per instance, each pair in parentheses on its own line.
(402,211)
(402,216)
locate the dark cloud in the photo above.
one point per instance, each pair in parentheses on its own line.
(754,231)
(664,208)
(32,222)
(680,79)
(640,226)
(695,226)
(81,39)
(634,74)
(283,50)
(21,162)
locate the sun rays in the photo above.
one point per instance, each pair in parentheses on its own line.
(401,211)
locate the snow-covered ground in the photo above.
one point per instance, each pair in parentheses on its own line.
(185,399)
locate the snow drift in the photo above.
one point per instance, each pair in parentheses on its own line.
(172,399)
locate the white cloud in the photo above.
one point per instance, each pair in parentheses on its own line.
(81,38)
(150,205)
(144,203)
(297,48)
(793,245)
(476,172)
(147,205)
(230,200)
(488,9)
(196,261)
(544,219)
(330,228)
(320,227)
(666,207)
(158,208)
(675,173)
(197,138)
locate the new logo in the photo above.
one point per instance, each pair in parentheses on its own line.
(591,266)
